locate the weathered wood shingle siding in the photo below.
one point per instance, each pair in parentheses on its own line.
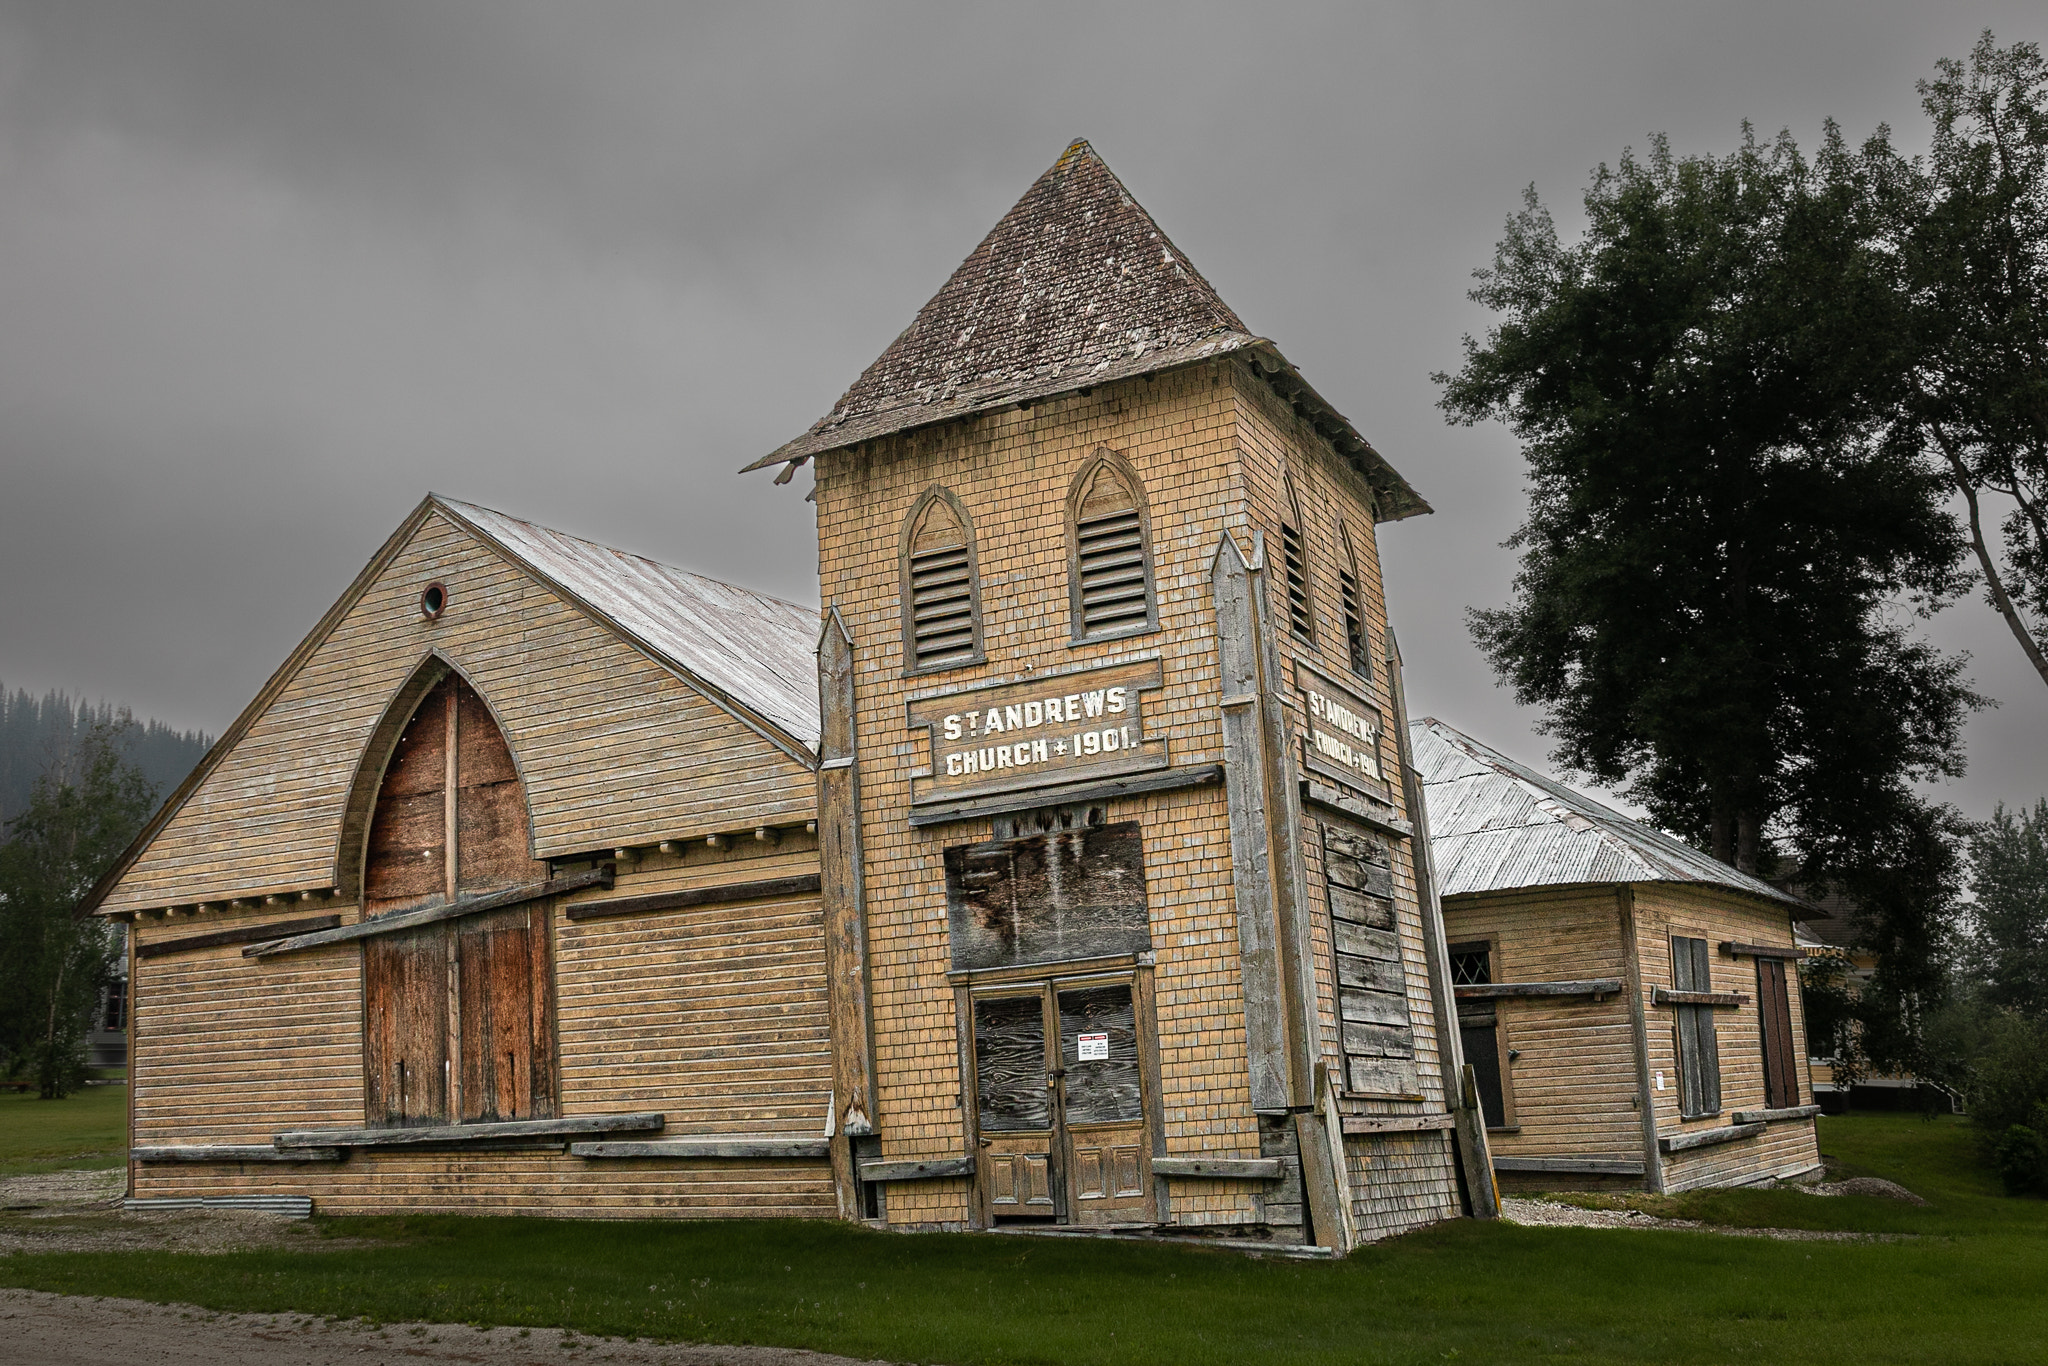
(613,746)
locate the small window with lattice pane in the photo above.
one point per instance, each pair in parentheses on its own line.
(1294,557)
(941,591)
(1471,965)
(1109,582)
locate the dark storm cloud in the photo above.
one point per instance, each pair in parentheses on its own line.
(268,272)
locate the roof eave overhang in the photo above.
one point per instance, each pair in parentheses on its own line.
(1396,498)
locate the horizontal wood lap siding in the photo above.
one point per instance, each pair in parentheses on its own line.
(228,1050)
(1573,1084)
(713,1014)
(612,746)
(531,1183)
(1663,910)
(1012,471)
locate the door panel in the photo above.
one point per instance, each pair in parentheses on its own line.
(1103,1106)
(1774,1019)
(1014,1104)
(405,1000)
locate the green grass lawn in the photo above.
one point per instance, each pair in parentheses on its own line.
(87,1130)
(1969,1288)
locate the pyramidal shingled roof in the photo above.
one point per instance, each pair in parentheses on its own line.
(1076,286)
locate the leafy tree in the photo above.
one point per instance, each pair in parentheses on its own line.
(53,961)
(1974,241)
(1726,537)
(2009,854)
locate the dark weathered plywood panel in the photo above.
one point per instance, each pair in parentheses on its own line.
(1105,1090)
(1052,897)
(1009,1063)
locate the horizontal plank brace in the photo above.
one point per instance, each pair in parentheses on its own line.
(441,1135)
(1723,1000)
(408,920)
(1707,1138)
(1357,1126)
(1220,1168)
(234,1152)
(917,1171)
(1776,1116)
(1357,808)
(1589,986)
(240,934)
(1593,1166)
(1005,803)
(803,884)
(1787,951)
(699,1148)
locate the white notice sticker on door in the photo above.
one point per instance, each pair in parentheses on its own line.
(1094,1048)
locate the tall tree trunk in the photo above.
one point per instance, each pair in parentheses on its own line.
(1721,821)
(1749,833)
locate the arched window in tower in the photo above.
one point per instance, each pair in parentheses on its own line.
(1294,557)
(1109,567)
(1357,647)
(941,591)
(457,1013)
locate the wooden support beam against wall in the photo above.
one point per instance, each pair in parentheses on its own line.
(234,1152)
(457,1135)
(1358,1126)
(699,1149)
(1243,746)
(241,934)
(1589,1166)
(412,920)
(932,1169)
(1220,1168)
(1106,789)
(1460,1083)
(763,889)
(1722,1000)
(1789,952)
(1790,1112)
(1595,987)
(1639,1034)
(843,895)
(1707,1138)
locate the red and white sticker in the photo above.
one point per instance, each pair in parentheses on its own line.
(1093,1048)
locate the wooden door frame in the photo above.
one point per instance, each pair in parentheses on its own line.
(1047,984)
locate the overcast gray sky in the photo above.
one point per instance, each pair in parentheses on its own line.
(269,272)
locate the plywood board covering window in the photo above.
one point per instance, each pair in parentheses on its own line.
(1699,1055)
(1047,898)
(1110,572)
(1372,982)
(941,590)
(458,1022)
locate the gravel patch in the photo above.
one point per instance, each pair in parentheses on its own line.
(66,1330)
(81,1212)
(1545,1213)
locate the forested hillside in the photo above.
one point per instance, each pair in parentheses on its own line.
(41,733)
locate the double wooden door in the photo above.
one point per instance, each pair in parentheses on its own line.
(1060,1104)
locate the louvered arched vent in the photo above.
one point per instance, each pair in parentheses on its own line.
(1295,560)
(941,599)
(1355,645)
(1112,565)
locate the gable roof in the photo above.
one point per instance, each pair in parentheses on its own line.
(1074,287)
(759,651)
(1496,825)
(751,654)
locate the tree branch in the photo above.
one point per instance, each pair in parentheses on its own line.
(1967,486)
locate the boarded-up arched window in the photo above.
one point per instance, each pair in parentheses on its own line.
(1109,569)
(1294,557)
(941,592)
(457,1014)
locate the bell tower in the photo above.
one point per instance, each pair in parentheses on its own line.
(1127,909)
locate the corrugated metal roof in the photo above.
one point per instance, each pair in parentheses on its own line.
(1495,825)
(760,652)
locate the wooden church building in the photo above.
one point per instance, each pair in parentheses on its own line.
(1064,870)
(1630,1006)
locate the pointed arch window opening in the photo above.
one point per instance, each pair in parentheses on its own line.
(941,587)
(1357,644)
(1294,556)
(1109,579)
